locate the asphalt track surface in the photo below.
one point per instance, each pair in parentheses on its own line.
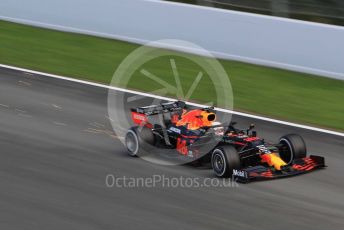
(57,146)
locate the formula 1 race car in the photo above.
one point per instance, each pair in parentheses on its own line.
(195,134)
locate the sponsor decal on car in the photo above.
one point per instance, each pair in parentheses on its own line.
(174,129)
(139,117)
(263,149)
(239,173)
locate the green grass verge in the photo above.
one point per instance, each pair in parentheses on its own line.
(261,90)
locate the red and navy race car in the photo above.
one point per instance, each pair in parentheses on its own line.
(196,135)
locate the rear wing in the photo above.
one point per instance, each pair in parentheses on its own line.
(140,115)
(161,108)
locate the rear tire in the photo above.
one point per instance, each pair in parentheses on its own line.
(224,159)
(294,147)
(139,140)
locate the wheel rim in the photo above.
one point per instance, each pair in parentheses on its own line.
(131,143)
(288,158)
(218,163)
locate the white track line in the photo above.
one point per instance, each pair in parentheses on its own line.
(59,123)
(2,105)
(171,99)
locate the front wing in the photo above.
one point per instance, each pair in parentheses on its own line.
(261,172)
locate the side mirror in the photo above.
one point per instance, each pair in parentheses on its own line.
(250,128)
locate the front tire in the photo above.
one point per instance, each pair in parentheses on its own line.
(139,140)
(293,147)
(224,159)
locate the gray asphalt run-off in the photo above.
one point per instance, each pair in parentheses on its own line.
(57,146)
